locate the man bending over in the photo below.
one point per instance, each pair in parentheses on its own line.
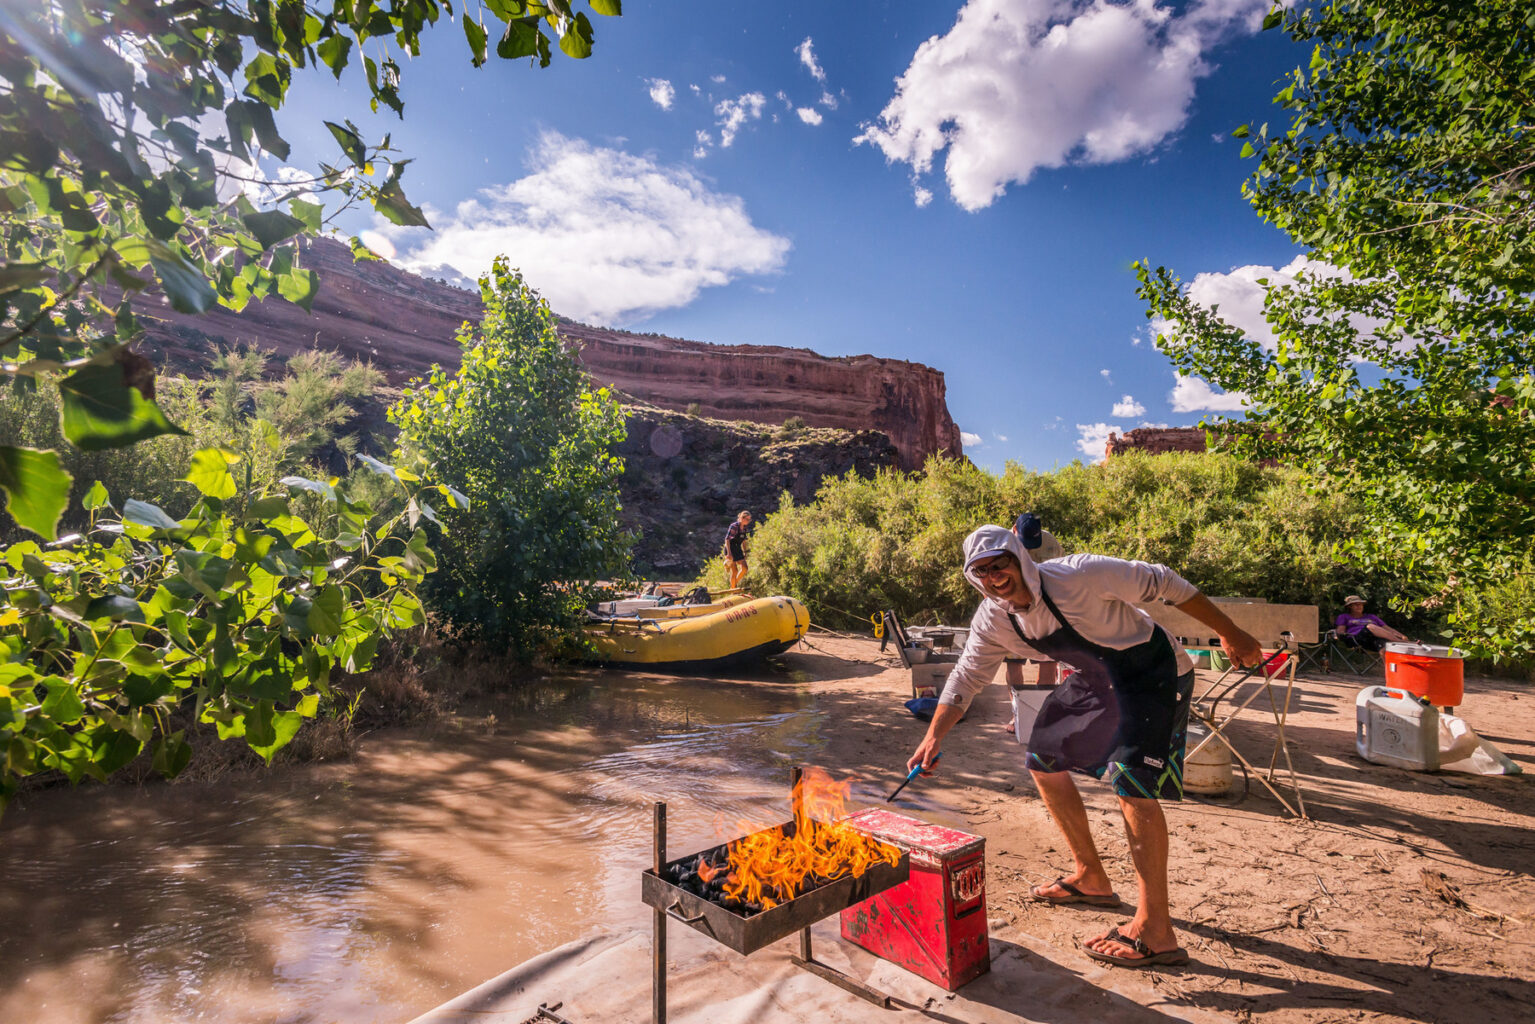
(1121,717)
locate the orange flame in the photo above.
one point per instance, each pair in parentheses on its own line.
(769,867)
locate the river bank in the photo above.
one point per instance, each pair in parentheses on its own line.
(445,852)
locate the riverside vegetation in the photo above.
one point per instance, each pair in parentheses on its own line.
(1231,526)
(189,559)
(132,135)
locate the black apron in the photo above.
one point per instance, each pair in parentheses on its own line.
(1110,705)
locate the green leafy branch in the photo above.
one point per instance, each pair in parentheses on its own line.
(123,637)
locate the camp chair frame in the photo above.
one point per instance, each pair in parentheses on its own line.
(1206,708)
(1333,654)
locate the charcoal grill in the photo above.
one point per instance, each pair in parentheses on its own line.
(746,934)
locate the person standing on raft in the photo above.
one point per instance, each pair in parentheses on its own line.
(1121,717)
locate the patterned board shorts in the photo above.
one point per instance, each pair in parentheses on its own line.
(1147,756)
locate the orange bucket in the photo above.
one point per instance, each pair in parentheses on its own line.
(1437,674)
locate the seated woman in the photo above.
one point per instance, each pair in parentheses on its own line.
(1367,631)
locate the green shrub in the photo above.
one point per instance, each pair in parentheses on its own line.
(276,427)
(792,427)
(893,541)
(521,431)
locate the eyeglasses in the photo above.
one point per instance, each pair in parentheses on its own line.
(998,568)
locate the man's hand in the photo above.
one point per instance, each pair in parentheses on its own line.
(944,719)
(1238,644)
(1241,648)
(927,753)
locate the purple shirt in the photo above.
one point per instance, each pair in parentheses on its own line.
(1353,625)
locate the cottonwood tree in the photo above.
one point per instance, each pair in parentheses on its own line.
(132,135)
(1401,371)
(520,429)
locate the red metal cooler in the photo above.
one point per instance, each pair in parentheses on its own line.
(934,924)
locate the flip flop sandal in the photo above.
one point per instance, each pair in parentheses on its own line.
(1075,895)
(1170,957)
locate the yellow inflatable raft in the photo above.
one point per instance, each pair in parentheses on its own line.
(704,637)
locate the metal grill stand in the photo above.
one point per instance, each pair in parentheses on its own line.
(804,959)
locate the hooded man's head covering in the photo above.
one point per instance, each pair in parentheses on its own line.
(990,541)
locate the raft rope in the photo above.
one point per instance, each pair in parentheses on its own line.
(882,663)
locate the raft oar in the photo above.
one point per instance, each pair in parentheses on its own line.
(911,775)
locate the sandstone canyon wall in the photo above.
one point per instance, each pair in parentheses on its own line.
(1157,440)
(404,324)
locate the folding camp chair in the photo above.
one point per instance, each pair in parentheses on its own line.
(1359,660)
(1333,654)
(1207,709)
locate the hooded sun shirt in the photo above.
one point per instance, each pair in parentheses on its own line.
(1097,594)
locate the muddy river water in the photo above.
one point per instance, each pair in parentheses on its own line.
(375,889)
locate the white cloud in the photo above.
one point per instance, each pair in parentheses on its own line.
(696,90)
(378,242)
(1239,297)
(828,101)
(1128,408)
(1093,439)
(661,92)
(606,237)
(734,113)
(1107,376)
(1191,394)
(921,196)
(806,53)
(1016,85)
(966,438)
(1002,438)
(717,79)
(809,115)
(702,141)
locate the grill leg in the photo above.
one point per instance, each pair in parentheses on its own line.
(807,961)
(658,944)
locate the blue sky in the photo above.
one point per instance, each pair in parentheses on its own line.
(961,184)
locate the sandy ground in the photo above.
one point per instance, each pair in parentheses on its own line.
(1405,896)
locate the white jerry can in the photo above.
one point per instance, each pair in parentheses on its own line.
(1394,727)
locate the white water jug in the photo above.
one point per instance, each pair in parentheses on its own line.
(1394,727)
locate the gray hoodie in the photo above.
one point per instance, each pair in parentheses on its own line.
(1095,593)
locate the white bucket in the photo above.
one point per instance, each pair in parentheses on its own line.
(1206,770)
(1395,728)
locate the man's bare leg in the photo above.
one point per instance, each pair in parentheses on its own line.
(1064,803)
(1146,827)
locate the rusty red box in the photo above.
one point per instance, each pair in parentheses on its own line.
(934,924)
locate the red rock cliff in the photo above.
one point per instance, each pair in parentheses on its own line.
(404,323)
(1157,440)
(767,384)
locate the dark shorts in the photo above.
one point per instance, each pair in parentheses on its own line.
(735,553)
(1145,754)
